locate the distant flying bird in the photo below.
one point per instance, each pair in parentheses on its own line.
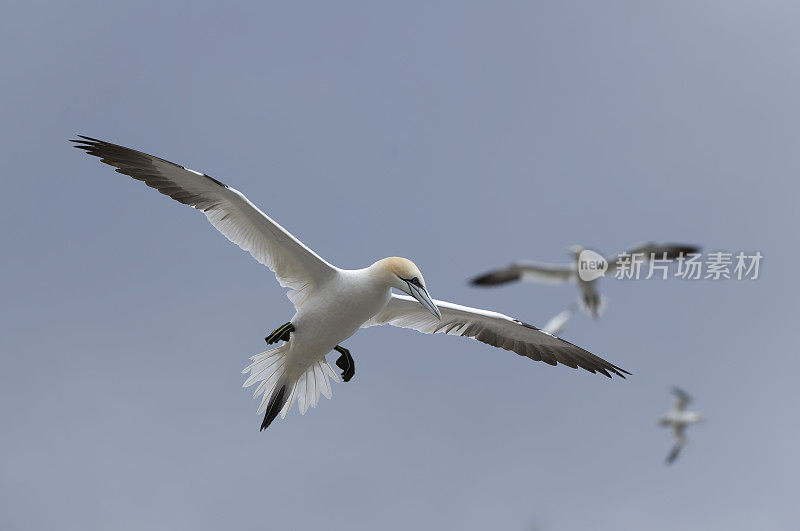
(331,304)
(592,301)
(557,323)
(678,419)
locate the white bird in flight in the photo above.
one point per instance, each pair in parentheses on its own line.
(331,303)
(678,419)
(558,322)
(592,301)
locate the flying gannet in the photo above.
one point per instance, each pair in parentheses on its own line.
(591,300)
(678,419)
(331,303)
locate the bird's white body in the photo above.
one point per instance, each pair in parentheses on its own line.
(334,312)
(331,303)
(675,417)
(591,300)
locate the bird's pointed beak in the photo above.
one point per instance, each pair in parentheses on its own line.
(421,294)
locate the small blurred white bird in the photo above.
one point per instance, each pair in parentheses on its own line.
(592,301)
(678,419)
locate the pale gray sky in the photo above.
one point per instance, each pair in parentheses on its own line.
(462,135)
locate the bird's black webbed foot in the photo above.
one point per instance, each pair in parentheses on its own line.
(346,363)
(280,334)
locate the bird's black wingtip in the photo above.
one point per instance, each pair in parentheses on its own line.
(84,139)
(86,143)
(616,371)
(494,278)
(679,249)
(477,281)
(677,391)
(673,455)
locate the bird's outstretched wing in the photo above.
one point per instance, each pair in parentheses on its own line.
(683,398)
(557,323)
(674,453)
(679,430)
(493,329)
(648,250)
(530,271)
(296,266)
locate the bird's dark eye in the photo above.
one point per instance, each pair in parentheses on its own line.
(414,280)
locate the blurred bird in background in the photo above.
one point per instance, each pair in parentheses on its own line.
(678,419)
(591,300)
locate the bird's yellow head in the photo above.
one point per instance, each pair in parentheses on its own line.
(401,267)
(404,275)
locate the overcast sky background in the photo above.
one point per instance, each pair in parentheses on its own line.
(461,135)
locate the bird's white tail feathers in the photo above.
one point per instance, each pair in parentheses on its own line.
(269,368)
